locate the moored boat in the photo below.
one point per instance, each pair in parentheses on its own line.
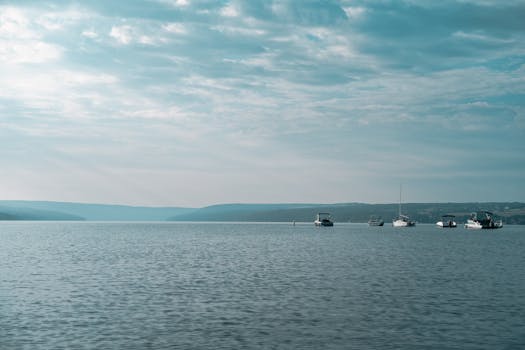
(473,224)
(402,220)
(447,221)
(323,219)
(487,222)
(376,221)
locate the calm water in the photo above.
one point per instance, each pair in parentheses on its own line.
(259,286)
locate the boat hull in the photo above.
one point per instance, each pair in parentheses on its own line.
(473,225)
(447,224)
(487,222)
(479,226)
(403,223)
(373,223)
(376,221)
(323,223)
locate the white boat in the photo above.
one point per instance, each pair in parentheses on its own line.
(487,222)
(447,221)
(473,224)
(402,220)
(323,219)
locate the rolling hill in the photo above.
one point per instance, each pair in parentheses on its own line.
(42,210)
(511,213)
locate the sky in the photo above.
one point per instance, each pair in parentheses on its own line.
(193,103)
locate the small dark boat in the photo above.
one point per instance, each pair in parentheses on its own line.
(323,219)
(376,221)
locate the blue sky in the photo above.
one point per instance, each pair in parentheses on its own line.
(191,103)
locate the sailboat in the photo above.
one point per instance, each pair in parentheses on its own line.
(402,220)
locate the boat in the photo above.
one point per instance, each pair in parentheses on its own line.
(447,221)
(402,220)
(473,224)
(323,219)
(487,222)
(376,221)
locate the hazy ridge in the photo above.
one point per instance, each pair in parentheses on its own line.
(43,210)
(510,212)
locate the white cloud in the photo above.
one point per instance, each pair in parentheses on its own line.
(279,9)
(234,30)
(31,51)
(82,78)
(127,34)
(58,20)
(122,34)
(265,60)
(14,24)
(324,44)
(22,34)
(29,23)
(146,40)
(176,28)
(477,36)
(89,34)
(175,3)
(57,93)
(267,88)
(229,10)
(481,104)
(354,12)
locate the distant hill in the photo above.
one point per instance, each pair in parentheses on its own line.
(81,211)
(511,213)
(25,213)
(245,212)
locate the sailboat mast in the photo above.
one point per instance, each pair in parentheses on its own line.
(400,188)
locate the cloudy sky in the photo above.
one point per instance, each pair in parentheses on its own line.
(191,103)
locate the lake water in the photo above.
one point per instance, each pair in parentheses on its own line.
(69,285)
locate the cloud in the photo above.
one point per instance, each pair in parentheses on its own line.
(430,35)
(310,12)
(143,32)
(90,34)
(181,2)
(354,13)
(176,3)
(28,52)
(229,11)
(54,94)
(20,43)
(62,19)
(175,28)
(15,23)
(171,89)
(123,34)
(28,35)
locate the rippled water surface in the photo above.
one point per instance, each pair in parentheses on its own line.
(259,286)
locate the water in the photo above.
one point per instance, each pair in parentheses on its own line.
(259,286)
